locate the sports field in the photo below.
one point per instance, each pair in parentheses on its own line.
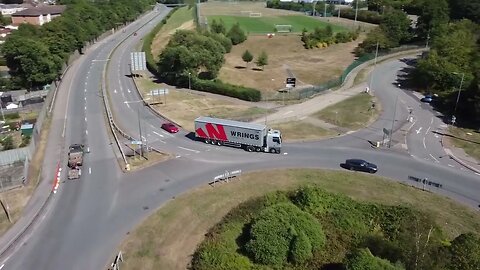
(266,24)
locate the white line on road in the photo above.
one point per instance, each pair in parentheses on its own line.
(85,119)
(129,90)
(86,132)
(85,90)
(127,104)
(434,158)
(144,138)
(424,143)
(85,108)
(1,266)
(428,129)
(431,121)
(162,141)
(89,170)
(288,112)
(158,134)
(418,130)
(115,91)
(188,149)
(450,165)
(85,98)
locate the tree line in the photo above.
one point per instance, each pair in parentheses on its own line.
(35,55)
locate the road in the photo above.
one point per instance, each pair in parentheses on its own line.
(89,217)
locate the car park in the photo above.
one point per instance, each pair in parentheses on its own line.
(170,127)
(360,165)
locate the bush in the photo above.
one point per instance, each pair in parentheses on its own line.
(236,34)
(7,143)
(273,234)
(218,87)
(362,15)
(362,259)
(465,252)
(25,141)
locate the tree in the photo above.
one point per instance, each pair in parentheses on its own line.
(301,249)
(262,60)
(465,252)
(434,13)
(236,34)
(247,57)
(369,45)
(218,27)
(465,9)
(362,259)
(396,26)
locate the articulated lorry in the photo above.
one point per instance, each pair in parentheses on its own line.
(249,136)
(75,161)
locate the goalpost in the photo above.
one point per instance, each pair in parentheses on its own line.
(283,28)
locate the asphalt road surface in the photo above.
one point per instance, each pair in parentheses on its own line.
(90,216)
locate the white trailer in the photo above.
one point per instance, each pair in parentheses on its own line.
(250,136)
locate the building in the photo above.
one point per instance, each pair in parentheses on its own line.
(9,9)
(38,15)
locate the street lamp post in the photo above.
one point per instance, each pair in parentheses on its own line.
(356,13)
(139,123)
(374,65)
(459,90)
(393,122)
(189,84)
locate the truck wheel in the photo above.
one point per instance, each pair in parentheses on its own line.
(273,151)
(250,148)
(219,143)
(213,142)
(258,149)
(207,141)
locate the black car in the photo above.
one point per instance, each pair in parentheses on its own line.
(360,165)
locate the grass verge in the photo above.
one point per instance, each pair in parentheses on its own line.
(168,238)
(352,113)
(137,162)
(184,106)
(301,131)
(467,139)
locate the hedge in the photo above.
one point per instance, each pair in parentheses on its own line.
(362,15)
(218,87)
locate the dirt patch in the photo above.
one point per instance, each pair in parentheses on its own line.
(137,162)
(286,56)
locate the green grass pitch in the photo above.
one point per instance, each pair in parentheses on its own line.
(267,24)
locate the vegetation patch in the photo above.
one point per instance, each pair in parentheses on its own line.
(168,238)
(301,131)
(310,228)
(352,113)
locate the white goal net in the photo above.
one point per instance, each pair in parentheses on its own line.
(283,28)
(255,14)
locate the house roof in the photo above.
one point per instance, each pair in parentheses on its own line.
(40,10)
(26,126)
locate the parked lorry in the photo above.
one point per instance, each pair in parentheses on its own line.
(75,161)
(249,136)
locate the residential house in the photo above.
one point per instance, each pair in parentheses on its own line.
(9,9)
(38,15)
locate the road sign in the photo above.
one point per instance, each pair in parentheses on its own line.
(138,61)
(157,92)
(291,82)
(136,142)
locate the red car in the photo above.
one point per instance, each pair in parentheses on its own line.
(170,127)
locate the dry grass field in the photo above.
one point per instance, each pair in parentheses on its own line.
(286,54)
(240,9)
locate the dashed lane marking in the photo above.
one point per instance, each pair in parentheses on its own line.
(115,91)
(450,165)
(436,160)
(156,133)
(188,149)
(127,104)
(86,132)
(425,146)
(128,90)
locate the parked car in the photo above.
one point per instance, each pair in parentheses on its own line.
(360,165)
(170,127)
(429,98)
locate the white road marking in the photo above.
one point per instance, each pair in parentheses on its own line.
(115,91)
(418,130)
(128,90)
(450,165)
(89,170)
(158,134)
(86,132)
(144,138)
(424,143)
(285,153)
(127,104)
(434,158)
(1,266)
(85,119)
(188,149)
(85,108)
(85,98)
(431,121)
(288,112)
(428,129)
(477,173)
(162,141)
(85,90)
